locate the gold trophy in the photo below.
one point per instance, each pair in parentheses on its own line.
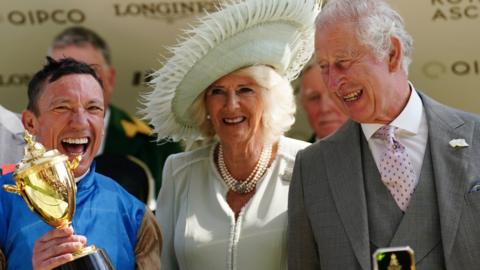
(46,183)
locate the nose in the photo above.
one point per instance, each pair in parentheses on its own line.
(333,78)
(232,101)
(325,104)
(79,119)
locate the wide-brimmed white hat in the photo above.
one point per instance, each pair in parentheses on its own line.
(242,33)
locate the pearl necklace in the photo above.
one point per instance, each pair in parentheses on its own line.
(251,182)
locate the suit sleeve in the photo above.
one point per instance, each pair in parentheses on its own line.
(149,243)
(2,261)
(302,248)
(166,216)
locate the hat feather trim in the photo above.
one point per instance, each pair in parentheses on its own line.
(211,30)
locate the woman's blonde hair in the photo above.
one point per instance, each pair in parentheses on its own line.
(278,97)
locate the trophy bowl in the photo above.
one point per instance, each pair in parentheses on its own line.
(47,188)
(46,183)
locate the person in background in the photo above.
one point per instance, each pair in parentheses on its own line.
(65,112)
(11,140)
(223,206)
(404,171)
(323,113)
(125,135)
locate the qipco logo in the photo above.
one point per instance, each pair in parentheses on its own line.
(436,69)
(40,16)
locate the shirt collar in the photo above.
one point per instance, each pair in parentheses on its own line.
(77,179)
(106,119)
(408,121)
(86,186)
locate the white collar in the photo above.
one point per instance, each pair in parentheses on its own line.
(408,121)
(106,119)
(77,179)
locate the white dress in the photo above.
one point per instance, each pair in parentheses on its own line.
(199,228)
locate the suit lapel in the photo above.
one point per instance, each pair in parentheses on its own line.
(346,181)
(448,166)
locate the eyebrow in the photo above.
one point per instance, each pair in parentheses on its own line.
(95,101)
(309,92)
(64,100)
(238,86)
(59,101)
(352,53)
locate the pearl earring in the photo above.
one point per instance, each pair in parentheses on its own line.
(208,116)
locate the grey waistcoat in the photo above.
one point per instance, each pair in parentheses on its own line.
(418,227)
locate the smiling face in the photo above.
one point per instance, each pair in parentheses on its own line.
(368,89)
(235,106)
(70,118)
(324,115)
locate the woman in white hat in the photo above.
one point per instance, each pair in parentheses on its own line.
(224,206)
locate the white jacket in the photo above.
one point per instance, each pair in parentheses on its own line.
(198,226)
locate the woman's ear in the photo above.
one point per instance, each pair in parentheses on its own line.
(395,55)
(30,122)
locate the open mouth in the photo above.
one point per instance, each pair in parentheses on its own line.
(234,121)
(352,96)
(75,146)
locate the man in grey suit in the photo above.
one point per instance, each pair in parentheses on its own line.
(347,197)
(11,137)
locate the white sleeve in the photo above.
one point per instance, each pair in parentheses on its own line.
(167,214)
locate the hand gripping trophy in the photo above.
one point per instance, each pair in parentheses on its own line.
(46,183)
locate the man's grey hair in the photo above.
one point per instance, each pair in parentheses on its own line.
(81,36)
(376,21)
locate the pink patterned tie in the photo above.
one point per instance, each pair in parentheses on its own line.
(396,168)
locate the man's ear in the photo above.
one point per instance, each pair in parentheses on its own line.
(112,76)
(395,55)
(30,122)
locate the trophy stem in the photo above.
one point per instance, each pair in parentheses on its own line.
(88,258)
(84,252)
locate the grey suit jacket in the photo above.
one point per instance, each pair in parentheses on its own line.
(11,137)
(328,222)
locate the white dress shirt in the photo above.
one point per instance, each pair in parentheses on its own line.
(412,133)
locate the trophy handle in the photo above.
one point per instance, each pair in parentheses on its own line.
(72,165)
(19,191)
(11,189)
